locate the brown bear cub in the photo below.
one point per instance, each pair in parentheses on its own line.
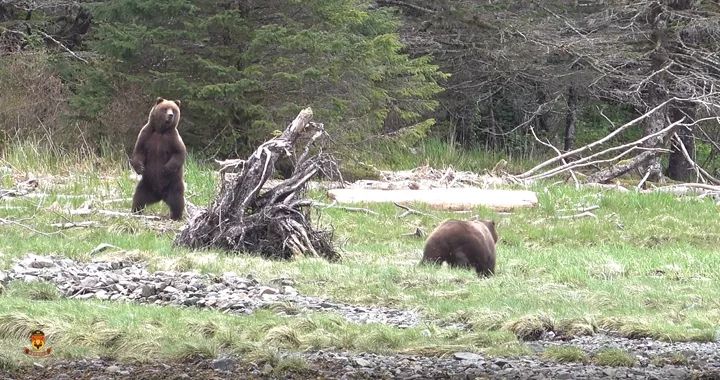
(158,156)
(463,244)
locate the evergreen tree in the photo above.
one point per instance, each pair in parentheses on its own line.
(245,70)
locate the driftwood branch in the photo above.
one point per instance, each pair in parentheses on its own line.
(406,5)
(579,215)
(274,223)
(345,208)
(68,225)
(409,211)
(27,227)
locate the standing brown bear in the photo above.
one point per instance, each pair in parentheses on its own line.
(158,156)
(463,244)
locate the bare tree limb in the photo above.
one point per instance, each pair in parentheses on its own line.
(62,46)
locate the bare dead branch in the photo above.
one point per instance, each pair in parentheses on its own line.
(351,209)
(409,211)
(62,46)
(578,216)
(406,5)
(418,233)
(68,225)
(25,226)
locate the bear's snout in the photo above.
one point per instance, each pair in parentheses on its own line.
(169,115)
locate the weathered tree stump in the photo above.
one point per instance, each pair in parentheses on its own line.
(274,223)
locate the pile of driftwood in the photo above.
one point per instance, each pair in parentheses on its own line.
(273,222)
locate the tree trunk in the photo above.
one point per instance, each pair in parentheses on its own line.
(653,124)
(493,125)
(679,168)
(656,94)
(620,169)
(570,119)
(543,127)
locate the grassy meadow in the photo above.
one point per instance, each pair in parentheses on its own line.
(648,266)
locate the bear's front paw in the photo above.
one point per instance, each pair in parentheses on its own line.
(138,167)
(168,169)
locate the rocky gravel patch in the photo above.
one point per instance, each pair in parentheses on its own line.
(647,352)
(127,281)
(343,365)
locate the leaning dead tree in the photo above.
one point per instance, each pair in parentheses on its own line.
(628,156)
(272,222)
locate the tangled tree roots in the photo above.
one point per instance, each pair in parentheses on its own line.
(274,223)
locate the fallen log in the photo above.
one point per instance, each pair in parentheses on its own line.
(452,199)
(273,222)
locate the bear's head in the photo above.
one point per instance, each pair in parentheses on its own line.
(165,115)
(489,224)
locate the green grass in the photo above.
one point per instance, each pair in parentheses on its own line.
(614,357)
(569,354)
(125,331)
(437,154)
(646,267)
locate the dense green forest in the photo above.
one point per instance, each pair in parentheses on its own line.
(505,76)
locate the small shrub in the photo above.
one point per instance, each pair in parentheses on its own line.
(614,357)
(565,355)
(36,291)
(530,327)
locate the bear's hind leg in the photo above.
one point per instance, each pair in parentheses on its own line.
(143,196)
(459,260)
(431,262)
(175,199)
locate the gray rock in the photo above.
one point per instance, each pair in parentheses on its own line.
(102,295)
(677,372)
(147,291)
(192,301)
(89,282)
(363,362)
(223,364)
(467,356)
(34,261)
(267,290)
(609,371)
(289,290)
(171,289)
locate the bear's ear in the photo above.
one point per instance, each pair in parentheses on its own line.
(159,100)
(177,102)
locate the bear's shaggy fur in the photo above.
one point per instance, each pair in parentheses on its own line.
(158,156)
(463,244)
